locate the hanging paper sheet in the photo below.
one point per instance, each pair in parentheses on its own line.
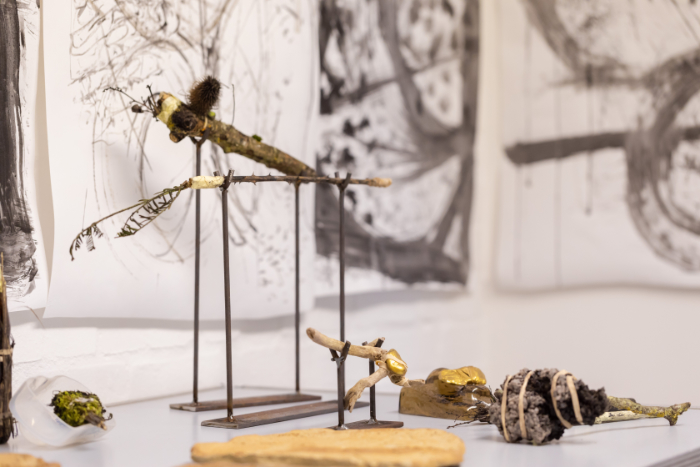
(105,157)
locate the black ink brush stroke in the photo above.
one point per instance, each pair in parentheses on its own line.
(16,242)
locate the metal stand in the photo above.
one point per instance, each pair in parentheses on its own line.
(197,237)
(195,405)
(297,307)
(341,261)
(373,422)
(340,359)
(268,416)
(340,364)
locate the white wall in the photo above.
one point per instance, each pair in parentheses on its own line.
(636,342)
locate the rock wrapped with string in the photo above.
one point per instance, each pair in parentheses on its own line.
(538,406)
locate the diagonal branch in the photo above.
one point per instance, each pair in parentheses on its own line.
(182,123)
(362,351)
(367,382)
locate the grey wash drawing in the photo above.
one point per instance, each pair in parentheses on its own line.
(17,242)
(398,99)
(651,49)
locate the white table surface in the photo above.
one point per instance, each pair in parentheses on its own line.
(151,434)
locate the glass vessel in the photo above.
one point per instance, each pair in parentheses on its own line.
(38,423)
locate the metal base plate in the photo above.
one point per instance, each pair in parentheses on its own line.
(277,415)
(245,402)
(365,425)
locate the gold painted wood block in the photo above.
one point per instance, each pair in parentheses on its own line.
(458,394)
(357,448)
(427,401)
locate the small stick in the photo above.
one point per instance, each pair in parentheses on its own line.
(226,136)
(367,382)
(147,210)
(362,351)
(368,351)
(202,182)
(621,416)
(166,198)
(183,122)
(669,413)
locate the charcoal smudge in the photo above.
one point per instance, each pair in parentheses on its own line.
(16,242)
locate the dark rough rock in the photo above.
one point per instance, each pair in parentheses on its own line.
(541,420)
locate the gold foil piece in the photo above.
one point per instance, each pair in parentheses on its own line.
(395,364)
(451,382)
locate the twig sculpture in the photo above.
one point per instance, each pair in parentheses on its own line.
(389,362)
(194,118)
(147,210)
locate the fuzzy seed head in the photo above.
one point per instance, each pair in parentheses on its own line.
(204,95)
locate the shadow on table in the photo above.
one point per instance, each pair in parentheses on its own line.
(563,441)
(622,428)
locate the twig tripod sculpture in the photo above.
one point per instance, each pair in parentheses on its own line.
(300,411)
(372,422)
(195,120)
(390,364)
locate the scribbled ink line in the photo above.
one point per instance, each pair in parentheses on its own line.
(16,242)
(119,43)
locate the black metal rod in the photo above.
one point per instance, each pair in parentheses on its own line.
(373,182)
(341,395)
(227,300)
(341,258)
(197,204)
(297,312)
(197,240)
(340,364)
(372,395)
(372,390)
